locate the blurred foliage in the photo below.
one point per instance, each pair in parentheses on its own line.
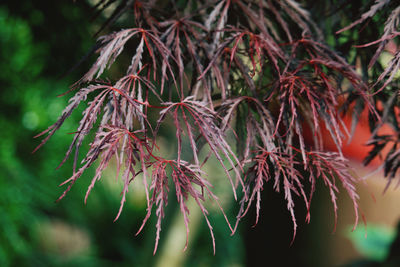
(374,242)
(381,250)
(39,42)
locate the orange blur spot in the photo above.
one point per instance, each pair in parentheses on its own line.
(357,149)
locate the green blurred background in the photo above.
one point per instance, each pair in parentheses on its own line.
(39,42)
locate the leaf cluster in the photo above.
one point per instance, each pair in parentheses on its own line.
(259,71)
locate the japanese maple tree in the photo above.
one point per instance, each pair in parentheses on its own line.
(250,82)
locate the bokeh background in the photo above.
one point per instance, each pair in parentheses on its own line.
(40,43)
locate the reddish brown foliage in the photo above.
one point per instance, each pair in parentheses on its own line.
(258,69)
